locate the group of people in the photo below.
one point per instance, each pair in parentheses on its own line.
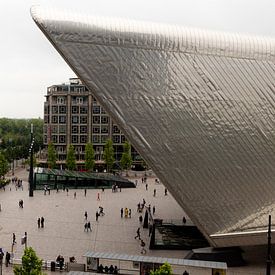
(87,225)
(127,212)
(115,188)
(18,183)
(40,222)
(111,270)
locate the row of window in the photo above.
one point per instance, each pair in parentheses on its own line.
(75,109)
(83,129)
(83,139)
(77,119)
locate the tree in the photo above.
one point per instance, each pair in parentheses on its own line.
(4,166)
(126,158)
(31,264)
(108,154)
(51,156)
(89,157)
(165,269)
(71,160)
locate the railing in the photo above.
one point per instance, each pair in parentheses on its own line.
(46,264)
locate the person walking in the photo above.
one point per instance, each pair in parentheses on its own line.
(38,222)
(74,195)
(142,244)
(155,191)
(165,192)
(85,226)
(154,210)
(13,239)
(121,212)
(140,219)
(42,222)
(138,234)
(86,215)
(8,257)
(130,212)
(67,190)
(98,196)
(96,216)
(146,186)
(89,226)
(85,192)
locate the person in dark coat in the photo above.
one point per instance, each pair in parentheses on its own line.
(8,257)
(38,222)
(42,222)
(121,212)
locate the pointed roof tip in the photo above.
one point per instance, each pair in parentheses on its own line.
(34,11)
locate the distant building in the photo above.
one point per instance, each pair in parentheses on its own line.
(73,116)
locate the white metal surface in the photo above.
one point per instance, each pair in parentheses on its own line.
(197,105)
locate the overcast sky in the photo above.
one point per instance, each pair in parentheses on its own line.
(29,64)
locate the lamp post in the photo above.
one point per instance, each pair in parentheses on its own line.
(268,260)
(31,164)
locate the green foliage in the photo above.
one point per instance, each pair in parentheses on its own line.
(165,269)
(31,264)
(4,166)
(89,157)
(51,156)
(71,160)
(126,158)
(15,137)
(108,154)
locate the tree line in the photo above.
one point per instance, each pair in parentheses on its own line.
(108,156)
(15,140)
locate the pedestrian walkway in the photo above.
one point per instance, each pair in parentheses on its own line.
(63,232)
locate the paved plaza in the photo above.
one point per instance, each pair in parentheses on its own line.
(64,222)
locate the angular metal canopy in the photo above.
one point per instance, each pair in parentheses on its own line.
(198,106)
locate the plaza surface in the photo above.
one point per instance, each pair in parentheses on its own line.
(64,222)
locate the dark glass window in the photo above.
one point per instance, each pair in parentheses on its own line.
(74,139)
(96,119)
(84,110)
(116,139)
(54,109)
(54,119)
(54,138)
(62,139)
(83,139)
(62,109)
(75,129)
(75,109)
(83,119)
(104,119)
(96,138)
(116,129)
(83,129)
(123,139)
(96,129)
(96,109)
(62,119)
(62,129)
(104,129)
(75,119)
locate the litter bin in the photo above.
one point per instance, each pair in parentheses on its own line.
(52,266)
